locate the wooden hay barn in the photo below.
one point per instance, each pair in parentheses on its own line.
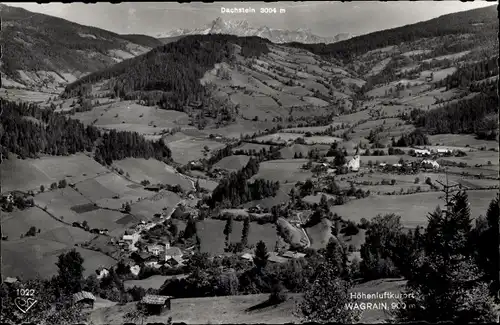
(84,299)
(155,304)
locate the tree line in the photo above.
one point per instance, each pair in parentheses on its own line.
(451,24)
(55,134)
(235,189)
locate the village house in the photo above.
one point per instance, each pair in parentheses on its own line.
(353,164)
(422,152)
(275,258)
(135,269)
(290,254)
(175,261)
(155,249)
(84,299)
(152,261)
(247,256)
(155,304)
(443,151)
(171,252)
(10,280)
(431,164)
(102,273)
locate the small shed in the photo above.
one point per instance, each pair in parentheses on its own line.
(155,304)
(84,299)
(10,280)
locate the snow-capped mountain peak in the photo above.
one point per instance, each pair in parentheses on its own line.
(242,28)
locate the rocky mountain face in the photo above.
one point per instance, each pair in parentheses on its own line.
(242,28)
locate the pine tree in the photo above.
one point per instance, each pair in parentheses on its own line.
(261,255)
(447,285)
(245,232)
(228,228)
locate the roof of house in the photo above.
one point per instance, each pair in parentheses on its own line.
(173,251)
(177,259)
(154,299)
(153,247)
(291,254)
(82,295)
(273,257)
(10,280)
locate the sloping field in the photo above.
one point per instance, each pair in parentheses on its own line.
(18,174)
(75,168)
(18,222)
(127,115)
(126,190)
(234,309)
(320,234)
(461,140)
(32,257)
(212,237)
(291,151)
(60,202)
(146,209)
(284,171)
(292,235)
(413,209)
(211,310)
(233,163)
(268,202)
(184,151)
(155,171)
(154,281)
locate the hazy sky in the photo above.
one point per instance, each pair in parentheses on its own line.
(325,18)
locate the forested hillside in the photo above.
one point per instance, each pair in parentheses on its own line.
(38,42)
(169,75)
(28,131)
(482,22)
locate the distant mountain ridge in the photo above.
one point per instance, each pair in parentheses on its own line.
(42,51)
(242,28)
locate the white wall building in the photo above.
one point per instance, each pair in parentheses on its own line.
(429,164)
(422,152)
(354,164)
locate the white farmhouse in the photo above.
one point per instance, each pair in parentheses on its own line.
(429,164)
(353,164)
(422,152)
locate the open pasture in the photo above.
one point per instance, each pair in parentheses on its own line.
(213,239)
(34,257)
(153,282)
(19,222)
(212,310)
(279,138)
(149,207)
(322,139)
(127,115)
(29,174)
(283,171)
(453,56)
(25,95)
(61,203)
(152,170)
(291,234)
(462,140)
(268,202)
(184,151)
(74,168)
(320,234)
(413,209)
(124,190)
(233,163)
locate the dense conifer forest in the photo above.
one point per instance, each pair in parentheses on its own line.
(28,131)
(170,75)
(482,22)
